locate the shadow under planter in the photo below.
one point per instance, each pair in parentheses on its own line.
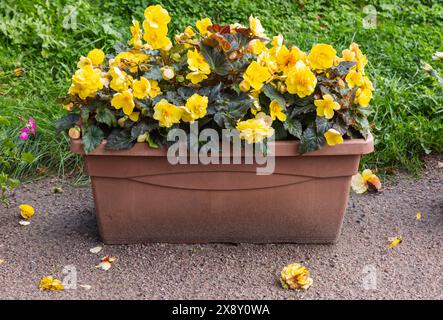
(140,197)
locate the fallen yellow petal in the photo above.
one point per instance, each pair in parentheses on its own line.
(26,211)
(51,284)
(418,216)
(395,241)
(295,276)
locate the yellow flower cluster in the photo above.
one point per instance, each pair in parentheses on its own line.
(88,79)
(356,76)
(256,129)
(132,81)
(155,28)
(169,114)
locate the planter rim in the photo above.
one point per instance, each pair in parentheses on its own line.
(283,148)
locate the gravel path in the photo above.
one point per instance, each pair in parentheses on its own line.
(358,266)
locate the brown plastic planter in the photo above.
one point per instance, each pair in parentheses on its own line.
(140,197)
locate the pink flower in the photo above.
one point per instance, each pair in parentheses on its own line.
(30,128)
(32,125)
(24,135)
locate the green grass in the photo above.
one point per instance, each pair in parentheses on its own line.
(407,107)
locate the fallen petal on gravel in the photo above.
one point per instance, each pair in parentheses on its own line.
(96,249)
(295,276)
(51,284)
(85,286)
(395,241)
(24,222)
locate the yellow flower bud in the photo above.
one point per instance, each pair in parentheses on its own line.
(168,73)
(281,87)
(74,133)
(142,137)
(245,86)
(121,122)
(180,78)
(176,56)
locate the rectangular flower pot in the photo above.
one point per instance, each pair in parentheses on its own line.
(140,197)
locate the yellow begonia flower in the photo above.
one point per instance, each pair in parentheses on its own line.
(141,88)
(333,137)
(195,108)
(203,24)
(359,182)
(156,17)
(286,58)
(134,116)
(364,96)
(364,93)
(124,100)
(326,107)
(167,114)
(277,41)
(157,38)
(86,82)
(26,211)
(129,60)
(49,283)
(96,56)
(348,55)
(120,80)
(189,32)
(321,56)
(255,75)
(354,79)
(256,46)
(137,35)
(276,111)
(268,59)
(198,65)
(301,80)
(256,27)
(256,129)
(155,89)
(295,276)
(196,76)
(359,56)
(196,61)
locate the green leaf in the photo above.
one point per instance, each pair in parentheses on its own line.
(139,129)
(363,126)
(310,140)
(322,125)
(216,60)
(279,129)
(343,68)
(92,137)
(151,142)
(120,140)
(66,122)
(104,115)
(154,73)
(294,127)
(27,157)
(273,94)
